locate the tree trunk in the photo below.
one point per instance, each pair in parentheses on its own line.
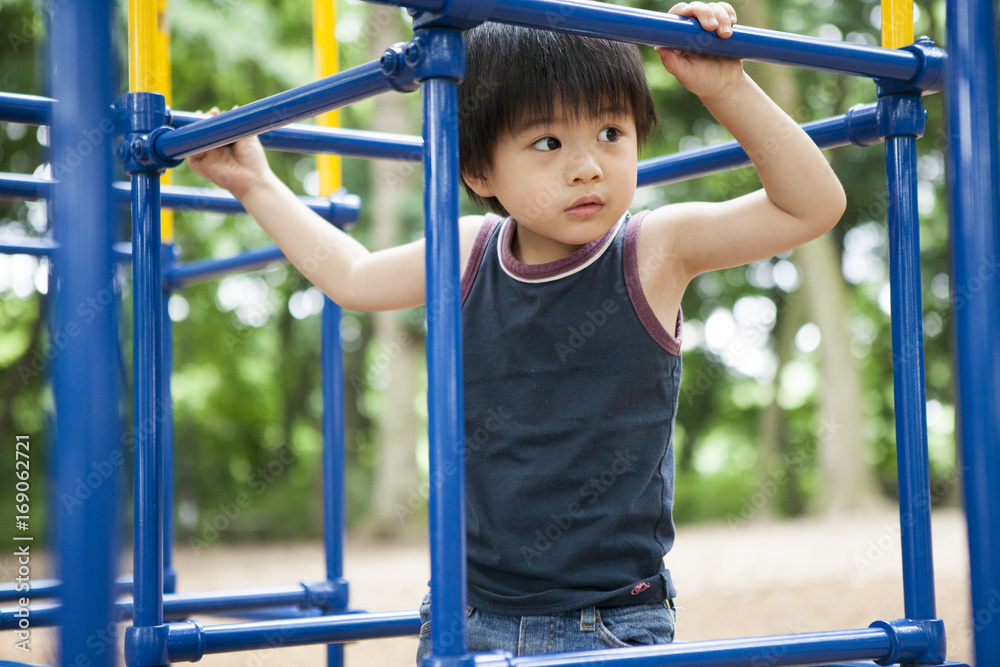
(397,352)
(846,480)
(845,477)
(776,476)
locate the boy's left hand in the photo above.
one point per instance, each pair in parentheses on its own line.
(705,76)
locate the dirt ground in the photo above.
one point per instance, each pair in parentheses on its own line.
(762,578)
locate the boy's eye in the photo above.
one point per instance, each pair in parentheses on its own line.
(547,144)
(609,134)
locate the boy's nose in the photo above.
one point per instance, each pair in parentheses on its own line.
(584,168)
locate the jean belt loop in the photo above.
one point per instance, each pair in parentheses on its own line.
(588,619)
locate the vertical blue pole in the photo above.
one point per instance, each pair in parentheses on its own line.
(334,517)
(973,174)
(444,369)
(147,370)
(86,393)
(908,377)
(168,259)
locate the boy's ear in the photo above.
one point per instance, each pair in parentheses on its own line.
(480,185)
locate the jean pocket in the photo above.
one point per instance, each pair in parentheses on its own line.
(639,625)
(425,615)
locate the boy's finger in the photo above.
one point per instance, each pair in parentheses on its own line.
(723,19)
(729,10)
(704,13)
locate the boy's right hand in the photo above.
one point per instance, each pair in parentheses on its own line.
(237,167)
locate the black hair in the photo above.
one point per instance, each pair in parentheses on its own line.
(517,76)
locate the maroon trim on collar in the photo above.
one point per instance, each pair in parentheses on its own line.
(549,269)
(669,342)
(490,223)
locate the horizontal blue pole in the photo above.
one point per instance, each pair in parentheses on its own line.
(183,605)
(774,651)
(640,26)
(39,248)
(189,273)
(338,141)
(26,109)
(34,110)
(328,93)
(52,588)
(857,126)
(189,641)
(340,209)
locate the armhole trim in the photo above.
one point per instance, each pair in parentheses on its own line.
(482,239)
(671,342)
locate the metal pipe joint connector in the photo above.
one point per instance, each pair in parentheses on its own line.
(326,595)
(458,14)
(146,646)
(919,642)
(930,76)
(140,118)
(433,53)
(901,115)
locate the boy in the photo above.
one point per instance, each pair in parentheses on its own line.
(571,315)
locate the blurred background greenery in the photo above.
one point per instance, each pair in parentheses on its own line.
(787,402)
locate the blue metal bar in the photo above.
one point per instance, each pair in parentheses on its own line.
(26,109)
(168,259)
(40,589)
(188,641)
(147,354)
(183,605)
(84,377)
(776,651)
(334,457)
(34,110)
(292,105)
(908,377)
(974,171)
(857,127)
(22,186)
(641,26)
(338,141)
(40,247)
(52,588)
(340,209)
(444,369)
(334,515)
(208,269)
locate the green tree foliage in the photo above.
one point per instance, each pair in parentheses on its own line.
(246,348)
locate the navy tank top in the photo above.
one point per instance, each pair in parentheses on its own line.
(571,390)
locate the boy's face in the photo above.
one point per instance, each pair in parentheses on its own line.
(567,180)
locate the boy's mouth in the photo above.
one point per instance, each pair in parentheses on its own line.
(585,207)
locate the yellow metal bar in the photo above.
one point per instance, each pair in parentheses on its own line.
(163,84)
(327,63)
(141,43)
(149,66)
(897,23)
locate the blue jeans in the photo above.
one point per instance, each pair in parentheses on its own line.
(586,629)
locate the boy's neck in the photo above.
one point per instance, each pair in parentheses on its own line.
(531,248)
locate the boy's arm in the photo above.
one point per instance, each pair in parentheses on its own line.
(337,264)
(332,260)
(801,198)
